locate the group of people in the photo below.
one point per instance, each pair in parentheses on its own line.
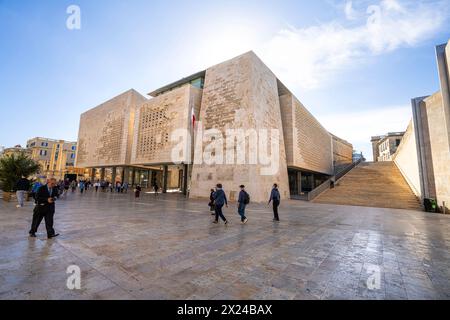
(138,189)
(218,199)
(45,196)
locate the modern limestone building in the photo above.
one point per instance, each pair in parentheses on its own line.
(423,155)
(249,129)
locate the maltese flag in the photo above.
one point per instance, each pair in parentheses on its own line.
(193,118)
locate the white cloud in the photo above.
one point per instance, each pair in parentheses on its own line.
(307,57)
(367,123)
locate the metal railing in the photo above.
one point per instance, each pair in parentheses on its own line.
(327,184)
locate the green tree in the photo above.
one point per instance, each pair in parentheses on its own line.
(13,167)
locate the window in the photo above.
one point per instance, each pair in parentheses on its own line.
(72,156)
(397,142)
(74,148)
(42,152)
(44,144)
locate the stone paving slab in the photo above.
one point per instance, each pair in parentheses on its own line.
(167,248)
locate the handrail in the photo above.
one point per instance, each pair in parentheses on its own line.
(327,184)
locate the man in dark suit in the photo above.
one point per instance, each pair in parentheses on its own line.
(45,208)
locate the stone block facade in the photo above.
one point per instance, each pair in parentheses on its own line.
(406,160)
(155,121)
(104,137)
(308,143)
(241,94)
(426,166)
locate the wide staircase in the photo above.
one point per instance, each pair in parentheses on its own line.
(372,184)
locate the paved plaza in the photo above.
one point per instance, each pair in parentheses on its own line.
(167,248)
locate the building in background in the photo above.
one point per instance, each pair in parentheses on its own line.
(56,157)
(358,155)
(129,138)
(384,147)
(14,151)
(423,156)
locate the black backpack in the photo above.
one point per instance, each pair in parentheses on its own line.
(246,198)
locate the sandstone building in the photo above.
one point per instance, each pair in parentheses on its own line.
(384,147)
(423,155)
(56,157)
(131,138)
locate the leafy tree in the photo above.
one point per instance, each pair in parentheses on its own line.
(13,167)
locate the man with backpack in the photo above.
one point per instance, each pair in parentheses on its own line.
(243,201)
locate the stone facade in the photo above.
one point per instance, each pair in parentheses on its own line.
(240,94)
(308,143)
(155,121)
(55,157)
(342,153)
(384,147)
(406,160)
(105,133)
(426,167)
(439,144)
(134,135)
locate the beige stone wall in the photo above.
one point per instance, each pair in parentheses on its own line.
(308,143)
(240,94)
(104,133)
(342,152)
(440,153)
(406,159)
(155,121)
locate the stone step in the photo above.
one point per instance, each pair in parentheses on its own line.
(372,184)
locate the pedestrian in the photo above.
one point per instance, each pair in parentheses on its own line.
(155,187)
(111,187)
(22,187)
(34,189)
(73,185)
(96,185)
(243,201)
(82,185)
(220,199)
(45,209)
(137,191)
(66,187)
(211,202)
(125,187)
(275,198)
(118,187)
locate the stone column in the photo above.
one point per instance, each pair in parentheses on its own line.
(185,179)
(299,182)
(113,175)
(102,174)
(133,174)
(93,171)
(165,174)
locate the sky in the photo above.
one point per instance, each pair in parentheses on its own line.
(354,64)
